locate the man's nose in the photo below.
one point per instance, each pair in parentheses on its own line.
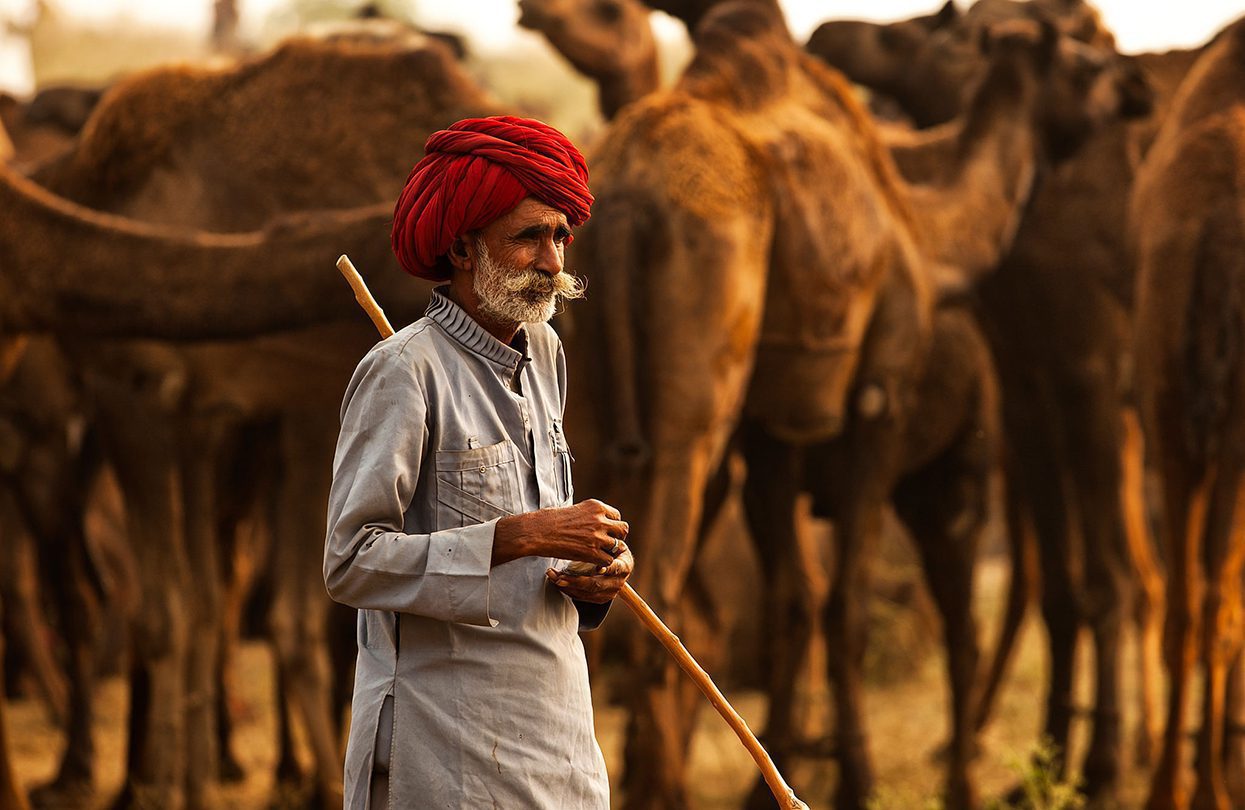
(549,257)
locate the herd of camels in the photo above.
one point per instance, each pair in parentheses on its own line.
(1034,264)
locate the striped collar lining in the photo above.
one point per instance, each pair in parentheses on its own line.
(463,328)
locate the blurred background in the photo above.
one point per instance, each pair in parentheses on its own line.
(74,610)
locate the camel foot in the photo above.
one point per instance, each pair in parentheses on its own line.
(305,794)
(146,797)
(293,794)
(941,754)
(63,794)
(1210,796)
(1234,775)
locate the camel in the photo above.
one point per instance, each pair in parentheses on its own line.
(1067,282)
(926,63)
(610,41)
(1187,226)
(725,172)
(42,128)
(45,481)
(141,192)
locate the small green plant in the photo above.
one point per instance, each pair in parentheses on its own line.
(1041,788)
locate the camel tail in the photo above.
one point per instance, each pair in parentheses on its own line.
(625,231)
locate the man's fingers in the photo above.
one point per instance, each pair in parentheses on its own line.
(610,511)
(591,589)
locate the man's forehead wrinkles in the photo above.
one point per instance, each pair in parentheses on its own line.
(543,224)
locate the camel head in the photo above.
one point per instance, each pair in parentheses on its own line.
(928,64)
(610,41)
(744,54)
(1079,87)
(883,57)
(692,12)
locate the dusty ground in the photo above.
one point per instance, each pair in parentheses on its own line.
(906,719)
(907,722)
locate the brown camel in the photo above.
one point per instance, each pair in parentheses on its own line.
(1187,223)
(1032,108)
(132,161)
(45,483)
(1057,314)
(43,127)
(609,41)
(725,172)
(929,63)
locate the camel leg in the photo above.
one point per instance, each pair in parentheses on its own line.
(144,459)
(790,596)
(245,471)
(1094,430)
(1183,518)
(702,626)
(11,797)
(76,603)
(769,497)
(655,752)
(200,446)
(1223,556)
(1234,730)
(52,497)
(862,493)
(944,508)
(1022,589)
(299,613)
(1043,491)
(28,631)
(1149,606)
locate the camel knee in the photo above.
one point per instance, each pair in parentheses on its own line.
(160,629)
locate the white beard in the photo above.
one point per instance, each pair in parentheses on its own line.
(514,295)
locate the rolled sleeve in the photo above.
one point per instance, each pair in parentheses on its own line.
(462,559)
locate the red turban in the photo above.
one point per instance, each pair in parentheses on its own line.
(474,172)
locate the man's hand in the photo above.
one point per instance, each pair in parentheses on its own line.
(589,531)
(600,587)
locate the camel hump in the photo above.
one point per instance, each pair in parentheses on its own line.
(224,128)
(1214,362)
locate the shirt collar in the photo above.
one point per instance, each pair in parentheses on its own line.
(474,337)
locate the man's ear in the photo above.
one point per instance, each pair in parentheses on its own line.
(458,255)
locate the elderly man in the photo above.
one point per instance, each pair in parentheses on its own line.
(451,516)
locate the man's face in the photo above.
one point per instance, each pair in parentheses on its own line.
(518,264)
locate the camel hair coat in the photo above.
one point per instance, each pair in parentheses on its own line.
(478,671)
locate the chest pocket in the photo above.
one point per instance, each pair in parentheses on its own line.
(475,485)
(562,459)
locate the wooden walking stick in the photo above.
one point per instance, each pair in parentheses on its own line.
(778,786)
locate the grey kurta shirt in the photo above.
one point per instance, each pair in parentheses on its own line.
(491,706)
